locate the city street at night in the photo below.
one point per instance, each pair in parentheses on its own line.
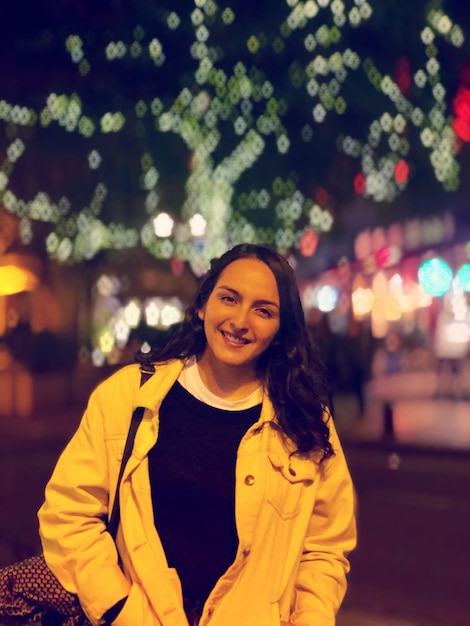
(266,205)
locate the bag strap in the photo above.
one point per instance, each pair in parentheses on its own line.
(146,371)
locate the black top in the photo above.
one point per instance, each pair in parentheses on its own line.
(192,476)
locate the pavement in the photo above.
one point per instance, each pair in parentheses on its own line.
(411,567)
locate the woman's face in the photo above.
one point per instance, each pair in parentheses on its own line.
(242,314)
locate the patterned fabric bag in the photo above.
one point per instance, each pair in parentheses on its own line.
(29,593)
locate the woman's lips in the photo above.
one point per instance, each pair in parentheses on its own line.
(234,339)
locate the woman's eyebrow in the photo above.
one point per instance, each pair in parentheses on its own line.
(269,302)
(258,302)
(227,288)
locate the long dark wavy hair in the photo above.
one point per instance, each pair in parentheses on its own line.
(290,368)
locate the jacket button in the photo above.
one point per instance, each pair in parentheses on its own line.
(249,480)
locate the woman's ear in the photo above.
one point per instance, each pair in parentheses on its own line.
(200,314)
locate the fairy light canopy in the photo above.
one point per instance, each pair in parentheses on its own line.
(187,130)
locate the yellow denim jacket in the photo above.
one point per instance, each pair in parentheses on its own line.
(294,517)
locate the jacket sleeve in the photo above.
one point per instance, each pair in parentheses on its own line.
(77,547)
(321,578)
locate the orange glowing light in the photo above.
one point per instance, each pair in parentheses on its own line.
(18,272)
(362,302)
(16,279)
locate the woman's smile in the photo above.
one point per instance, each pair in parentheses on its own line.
(234,339)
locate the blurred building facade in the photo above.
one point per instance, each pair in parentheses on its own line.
(396,329)
(392,324)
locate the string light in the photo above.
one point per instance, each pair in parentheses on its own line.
(231,119)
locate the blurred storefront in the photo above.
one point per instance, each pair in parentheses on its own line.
(34,325)
(395,331)
(392,323)
(134,300)
(64,327)
(39,301)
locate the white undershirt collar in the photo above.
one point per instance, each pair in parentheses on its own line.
(191,380)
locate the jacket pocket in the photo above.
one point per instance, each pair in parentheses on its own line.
(286,480)
(136,610)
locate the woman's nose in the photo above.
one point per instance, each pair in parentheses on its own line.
(239,318)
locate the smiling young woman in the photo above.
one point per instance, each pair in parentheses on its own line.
(237,505)
(241,319)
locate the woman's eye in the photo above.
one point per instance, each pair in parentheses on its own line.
(227,298)
(265,312)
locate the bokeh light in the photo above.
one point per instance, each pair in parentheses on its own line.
(435,276)
(235,125)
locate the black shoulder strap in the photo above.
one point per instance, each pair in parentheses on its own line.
(146,371)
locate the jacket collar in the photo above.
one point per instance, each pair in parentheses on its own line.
(151,394)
